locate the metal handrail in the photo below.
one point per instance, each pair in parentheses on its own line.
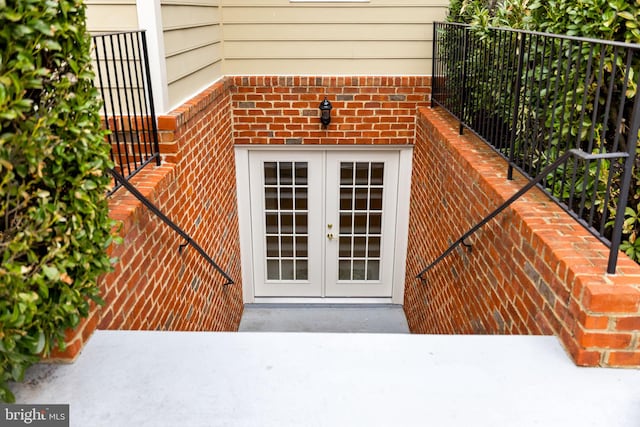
(532,183)
(153,208)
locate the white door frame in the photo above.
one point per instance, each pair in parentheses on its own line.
(246,232)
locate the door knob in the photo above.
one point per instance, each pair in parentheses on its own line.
(330,236)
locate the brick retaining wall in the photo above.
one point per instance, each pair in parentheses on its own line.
(154,287)
(532,270)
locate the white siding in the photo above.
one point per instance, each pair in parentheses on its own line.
(193,46)
(108,16)
(206,39)
(283,37)
(105,16)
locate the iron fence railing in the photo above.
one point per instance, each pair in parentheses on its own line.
(533,97)
(122,75)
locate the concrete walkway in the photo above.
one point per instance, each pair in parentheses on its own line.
(385,318)
(128,378)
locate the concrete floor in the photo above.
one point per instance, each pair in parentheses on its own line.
(383,318)
(144,378)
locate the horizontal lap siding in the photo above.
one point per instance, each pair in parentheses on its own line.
(376,37)
(193,46)
(105,16)
(109,16)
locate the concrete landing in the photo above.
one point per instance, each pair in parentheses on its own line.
(386,318)
(135,378)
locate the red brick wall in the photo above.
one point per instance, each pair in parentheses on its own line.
(154,287)
(532,270)
(366,110)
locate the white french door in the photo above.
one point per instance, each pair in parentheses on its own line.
(323,223)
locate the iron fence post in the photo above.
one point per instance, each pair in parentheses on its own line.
(154,127)
(433,64)
(465,44)
(632,142)
(516,105)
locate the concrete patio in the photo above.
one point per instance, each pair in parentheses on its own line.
(135,378)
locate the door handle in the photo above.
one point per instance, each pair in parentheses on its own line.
(330,236)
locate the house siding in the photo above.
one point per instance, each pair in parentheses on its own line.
(106,16)
(366,38)
(110,16)
(192,32)
(206,39)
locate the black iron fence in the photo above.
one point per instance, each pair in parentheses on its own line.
(123,78)
(535,96)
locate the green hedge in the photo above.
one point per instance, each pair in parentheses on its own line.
(54,224)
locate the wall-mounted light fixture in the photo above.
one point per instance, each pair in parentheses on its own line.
(325,112)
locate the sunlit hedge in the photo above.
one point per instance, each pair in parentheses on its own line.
(54,224)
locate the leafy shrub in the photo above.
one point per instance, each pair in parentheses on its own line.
(54,224)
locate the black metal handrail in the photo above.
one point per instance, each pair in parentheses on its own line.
(153,208)
(534,96)
(123,77)
(532,183)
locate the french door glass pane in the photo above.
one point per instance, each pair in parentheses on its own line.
(286,248)
(286,198)
(360,228)
(301,198)
(286,220)
(301,247)
(359,247)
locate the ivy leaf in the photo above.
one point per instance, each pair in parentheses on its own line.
(51,272)
(51,45)
(6,394)
(44,290)
(17,371)
(89,185)
(9,15)
(626,15)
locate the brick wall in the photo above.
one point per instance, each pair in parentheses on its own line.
(366,110)
(154,286)
(532,270)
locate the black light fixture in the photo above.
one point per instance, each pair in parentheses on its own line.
(325,112)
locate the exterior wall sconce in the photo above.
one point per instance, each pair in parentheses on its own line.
(325,112)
